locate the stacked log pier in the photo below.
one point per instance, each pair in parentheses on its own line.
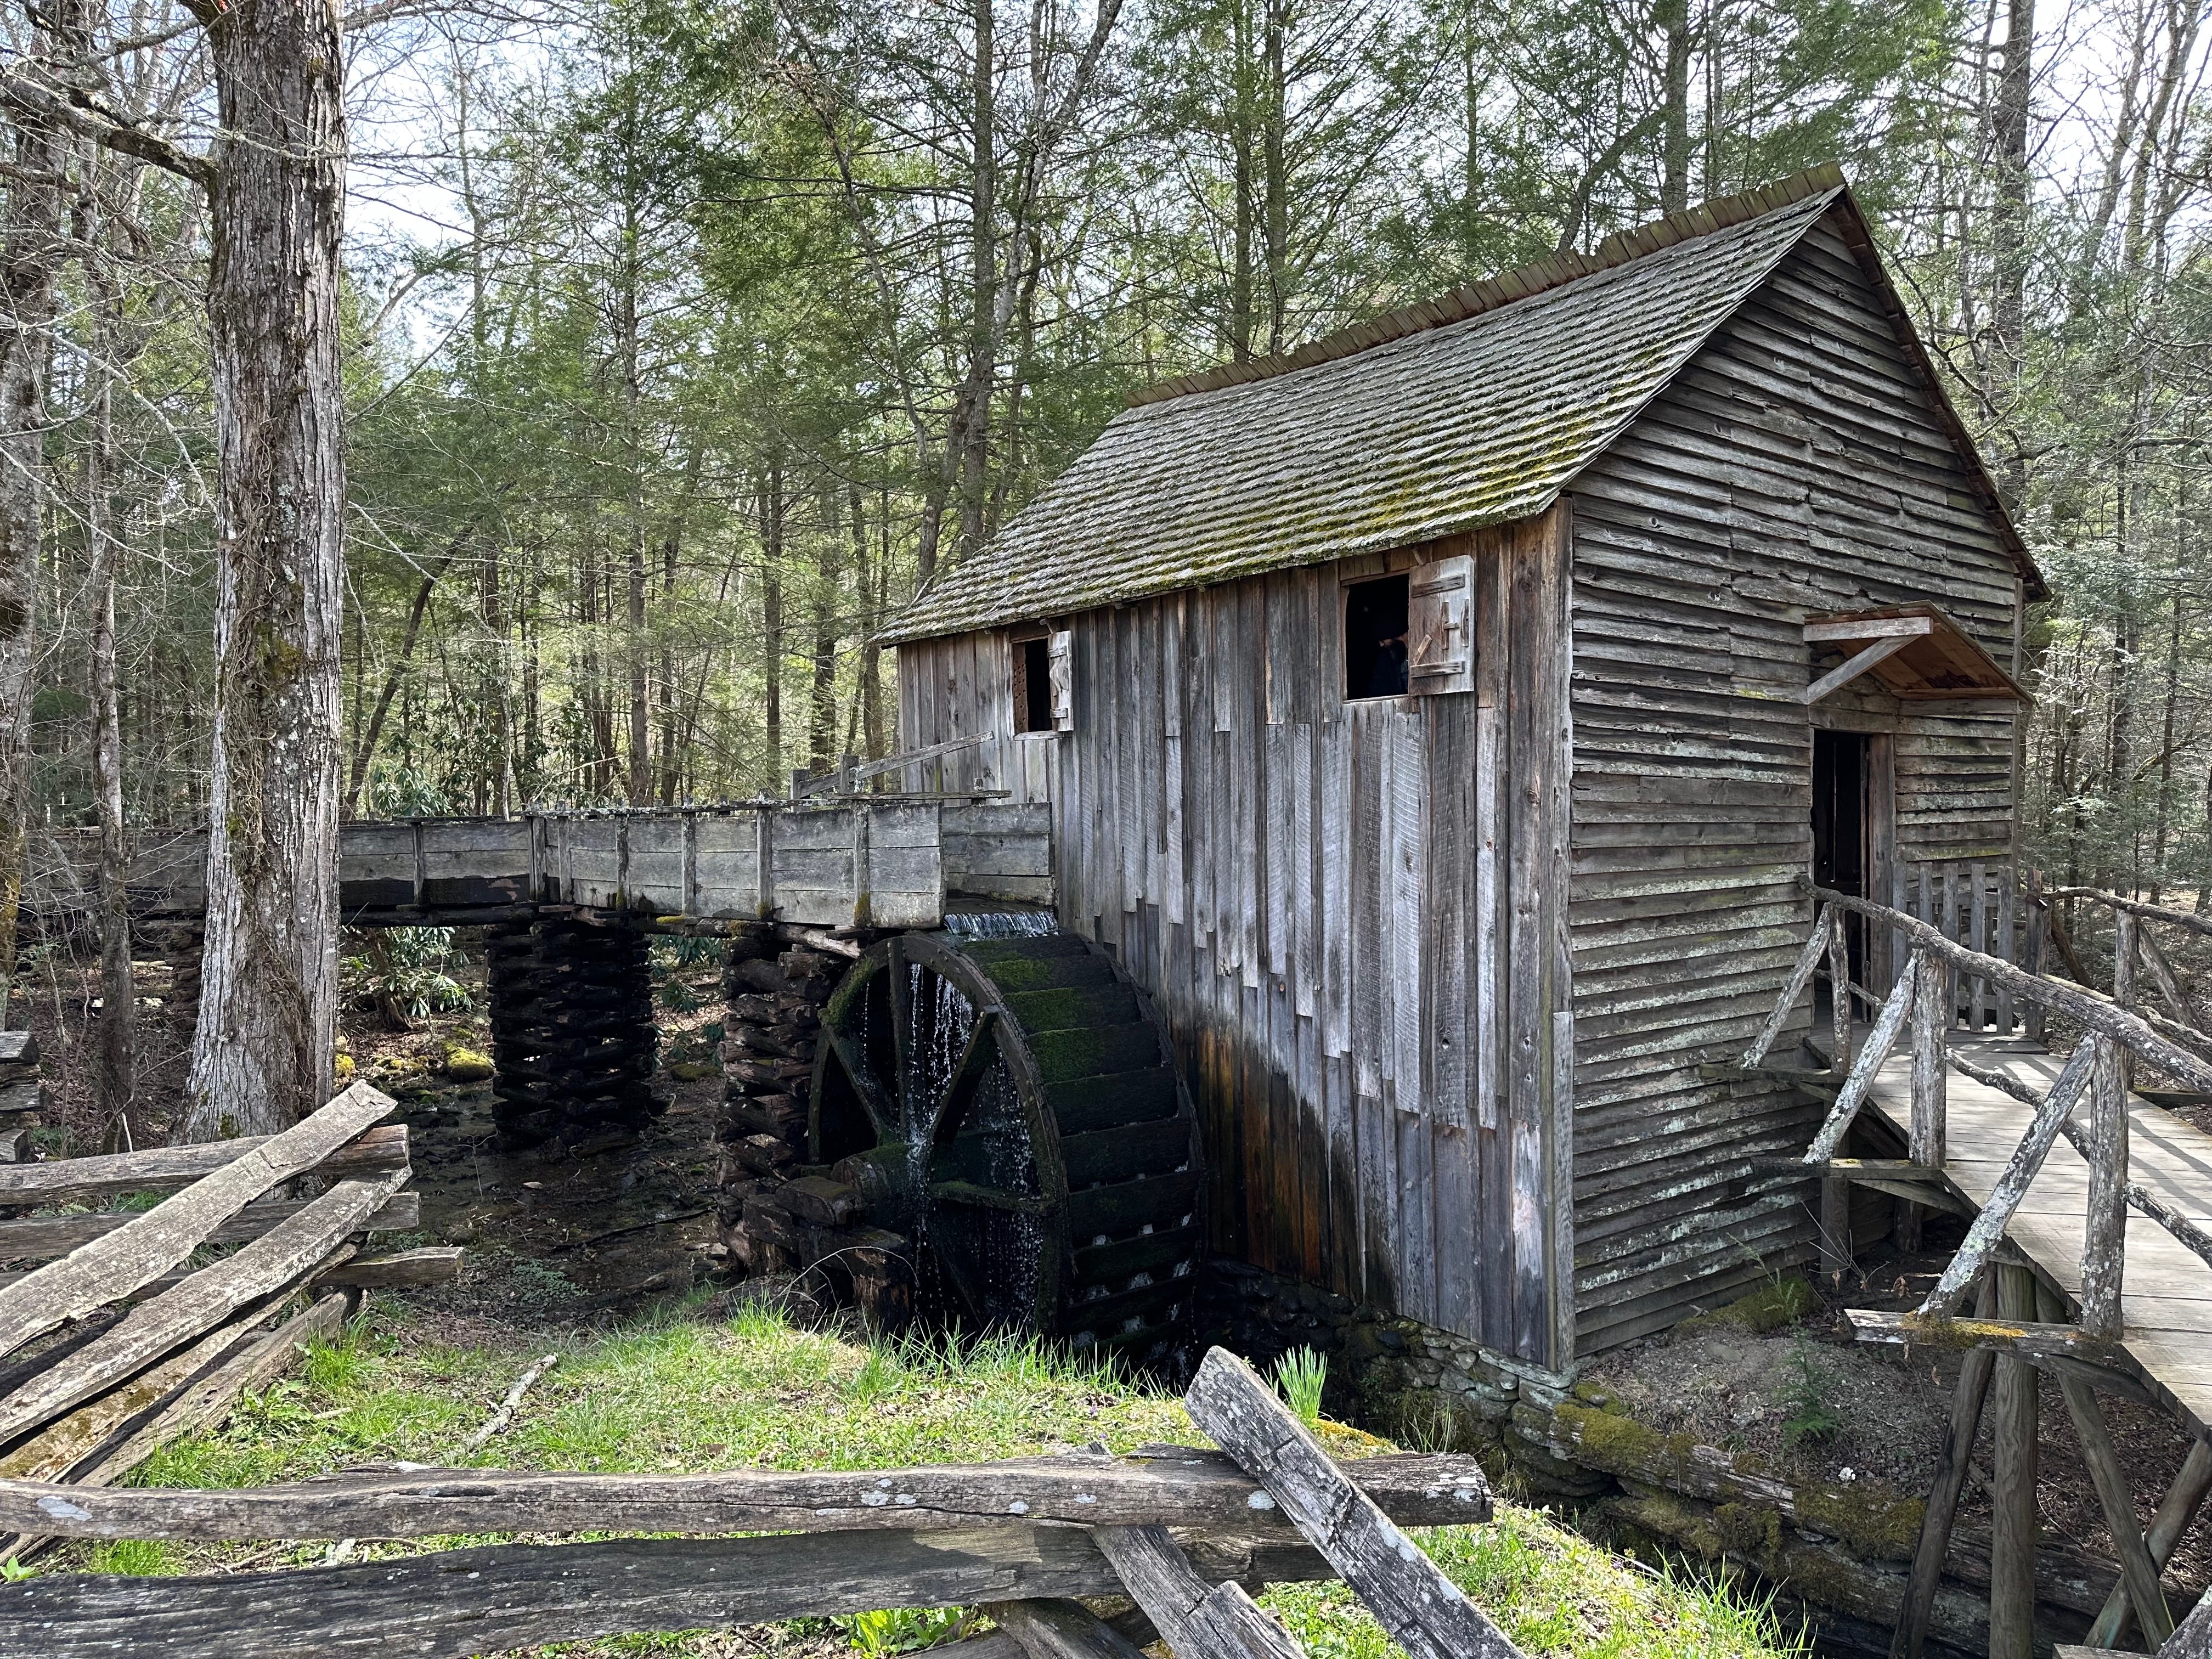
(572,1034)
(22,1097)
(775,995)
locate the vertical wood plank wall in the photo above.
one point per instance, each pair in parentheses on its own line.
(1350,913)
(1793,468)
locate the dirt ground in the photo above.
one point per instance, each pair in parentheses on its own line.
(1820,1405)
(552,1239)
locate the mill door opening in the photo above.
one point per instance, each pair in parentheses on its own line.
(1842,840)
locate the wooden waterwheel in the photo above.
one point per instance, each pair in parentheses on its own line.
(1009,1107)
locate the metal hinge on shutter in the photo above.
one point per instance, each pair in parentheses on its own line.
(1440,627)
(1059,651)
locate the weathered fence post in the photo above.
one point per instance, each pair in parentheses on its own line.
(1931,1032)
(1839,995)
(2013,1525)
(2123,978)
(2104,1241)
(2038,947)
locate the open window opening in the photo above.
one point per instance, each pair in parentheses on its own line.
(1375,637)
(1032,686)
(1040,687)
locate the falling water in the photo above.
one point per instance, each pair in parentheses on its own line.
(1005,1247)
(1002,924)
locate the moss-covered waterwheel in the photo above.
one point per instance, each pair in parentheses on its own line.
(1010,1107)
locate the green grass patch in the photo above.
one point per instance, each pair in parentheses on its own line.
(685,1392)
(1552,1593)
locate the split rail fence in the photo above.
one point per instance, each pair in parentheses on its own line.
(1937,987)
(117,1335)
(1185,1535)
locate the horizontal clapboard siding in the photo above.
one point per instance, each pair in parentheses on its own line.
(1351,914)
(1794,466)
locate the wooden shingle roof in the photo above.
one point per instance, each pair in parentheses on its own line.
(1477,408)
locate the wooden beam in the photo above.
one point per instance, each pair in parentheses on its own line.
(1200,1491)
(1198,1620)
(1800,975)
(1932,1004)
(2025,1337)
(432,1264)
(2175,1514)
(449,1604)
(276,1260)
(1060,1630)
(1428,1615)
(2020,1171)
(1869,627)
(84,1180)
(2013,1516)
(1852,667)
(1944,1492)
(2138,1572)
(1880,1040)
(41,1238)
(152,1243)
(2105,1223)
(2188,918)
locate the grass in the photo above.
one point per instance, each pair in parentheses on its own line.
(1300,1376)
(685,1391)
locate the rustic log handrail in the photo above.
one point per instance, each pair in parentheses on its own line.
(2183,1229)
(2127,1029)
(2188,918)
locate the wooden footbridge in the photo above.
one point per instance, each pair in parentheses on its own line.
(2090,1241)
(862,861)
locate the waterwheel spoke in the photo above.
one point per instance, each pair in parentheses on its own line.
(901,1000)
(976,1059)
(854,1063)
(976,1196)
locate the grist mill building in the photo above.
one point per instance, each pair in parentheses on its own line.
(1439,724)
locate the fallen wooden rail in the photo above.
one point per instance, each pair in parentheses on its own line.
(143,1345)
(1171,1486)
(1188,1534)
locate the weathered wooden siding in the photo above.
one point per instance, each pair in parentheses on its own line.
(1795,467)
(1316,894)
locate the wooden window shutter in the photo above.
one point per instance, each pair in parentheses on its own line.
(1440,627)
(1061,652)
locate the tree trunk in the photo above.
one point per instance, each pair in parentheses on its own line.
(263,1054)
(2009,234)
(829,579)
(972,428)
(871,690)
(116,1074)
(772,618)
(27,261)
(1674,158)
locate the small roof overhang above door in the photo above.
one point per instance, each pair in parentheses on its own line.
(1916,652)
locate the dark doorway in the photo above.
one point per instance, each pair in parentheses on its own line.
(1842,853)
(1839,811)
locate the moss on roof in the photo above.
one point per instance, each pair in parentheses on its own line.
(1475,410)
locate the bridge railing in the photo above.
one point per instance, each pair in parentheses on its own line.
(1924,998)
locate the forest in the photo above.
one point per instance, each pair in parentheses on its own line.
(678,342)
